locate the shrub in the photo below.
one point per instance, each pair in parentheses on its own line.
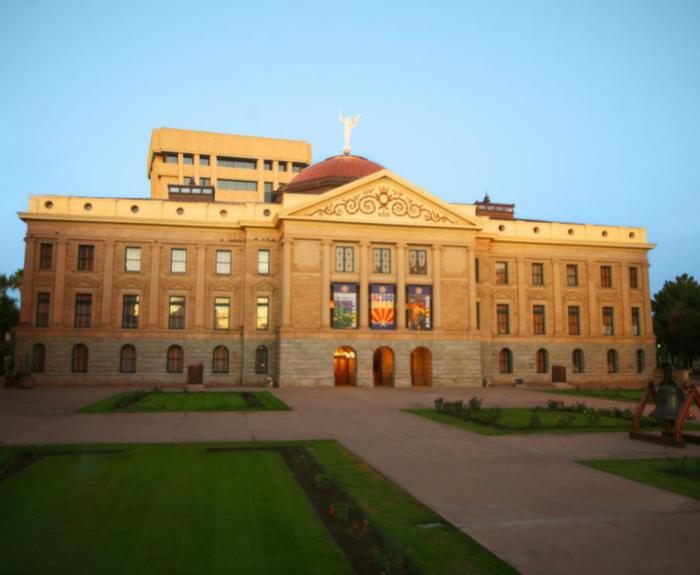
(474,404)
(555,404)
(492,415)
(439,403)
(580,407)
(593,416)
(565,420)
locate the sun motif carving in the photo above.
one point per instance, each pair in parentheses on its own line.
(383,202)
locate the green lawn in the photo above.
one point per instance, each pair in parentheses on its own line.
(180,509)
(517,419)
(673,475)
(182,401)
(628,395)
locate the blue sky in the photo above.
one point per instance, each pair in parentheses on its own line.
(582,111)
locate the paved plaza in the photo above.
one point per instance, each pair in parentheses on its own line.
(522,496)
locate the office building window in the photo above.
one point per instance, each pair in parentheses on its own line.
(542,361)
(572,275)
(381,260)
(344,259)
(187,159)
(79,358)
(612,361)
(223,262)
(127,359)
(188,180)
(43,303)
(176,312)
(502,319)
(220,359)
(262,313)
(39,358)
(634,278)
(261,359)
(83,310)
(205,181)
(86,258)
(505,361)
(501,272)
(130,311)
(204,160)
(574,320)
(170,158)
(538,326)
(537,274)
(264,262)
(238,185)
(267,164)
(296,167)
(641,361)
(608,321)
(175,359)
(45,256)
(241,163)
(132,259)
(222,313)
(178,261)
(268,192)
(418,262)
(605,276)
(577,360)
(636,322)
(282,166)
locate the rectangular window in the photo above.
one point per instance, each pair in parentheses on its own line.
(418,262)
(267,164)
(268,192)
(45,256)
(43,302)
(634,278)
(296,167)
(501,272)
(222,313)
(188,180)
(502,319)
(132,259)
(636,323)
(83,310)
(477,273)
(239,185)
(382,306)
(187,159)
(344,308)
(176,312)
(203,160)
(572,275)
(574,320)
(344,259)
(605,276)
(223,262)
(262,313)
(538,325)
(244,163)
(478,315)
(170,158)
(537,274)
(608,321)
(205,181)
(381,260)
(130,311)
(178,261)
(419,308)
(86,258)
(264,262)
(282,166)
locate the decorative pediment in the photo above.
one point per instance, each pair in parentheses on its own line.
(177,285)
(44,282)
(381,198)
(264,286)
(222,287)
(83,283)
(131,284)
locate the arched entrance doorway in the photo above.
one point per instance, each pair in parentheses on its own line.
(421,367)
(345,366)
(383,367)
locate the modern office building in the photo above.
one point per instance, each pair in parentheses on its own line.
(342,273)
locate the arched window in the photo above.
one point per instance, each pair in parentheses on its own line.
(505,361)
(542,361)
(577,360)
(39,358)
(79,363)
(612,361)
(640,361)
(127,359)
(220,363)
(176,359)
(261,359)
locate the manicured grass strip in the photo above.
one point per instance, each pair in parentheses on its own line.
(436,548)
(181,401)
(628,395)
(162,509)
(670,474)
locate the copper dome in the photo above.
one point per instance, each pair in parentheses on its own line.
(331,173)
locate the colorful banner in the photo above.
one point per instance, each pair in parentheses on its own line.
(382,302)
(344,306)
(418,307)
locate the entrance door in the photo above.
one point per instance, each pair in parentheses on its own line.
(345,366)
(558,374)
(383,367)
(421,367)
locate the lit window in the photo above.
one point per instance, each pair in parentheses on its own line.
(344,259)
(262,313)
(176,312)
(83,310)
(222,313)
(223,262)
(132,260)
(501,272)
(381,261)
(178,261)
(130,311)
(537,274)
(264,262)
(502,319)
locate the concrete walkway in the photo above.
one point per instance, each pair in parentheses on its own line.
(523,497)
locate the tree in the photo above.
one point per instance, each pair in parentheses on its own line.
(677,319)
(9,316)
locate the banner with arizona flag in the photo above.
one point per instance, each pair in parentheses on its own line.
(382,304)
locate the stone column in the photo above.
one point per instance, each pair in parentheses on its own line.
(625,316)
(558,318)
(154,288)
(472,289)
(437,287)
(648,324)
(325,282)
(199,295)
(59,284)
(594,327)
(286,281)
(522,304)
(401,285)
(107,303)
(364,272)
(27,301)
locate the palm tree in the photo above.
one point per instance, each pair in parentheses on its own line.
(9,283)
